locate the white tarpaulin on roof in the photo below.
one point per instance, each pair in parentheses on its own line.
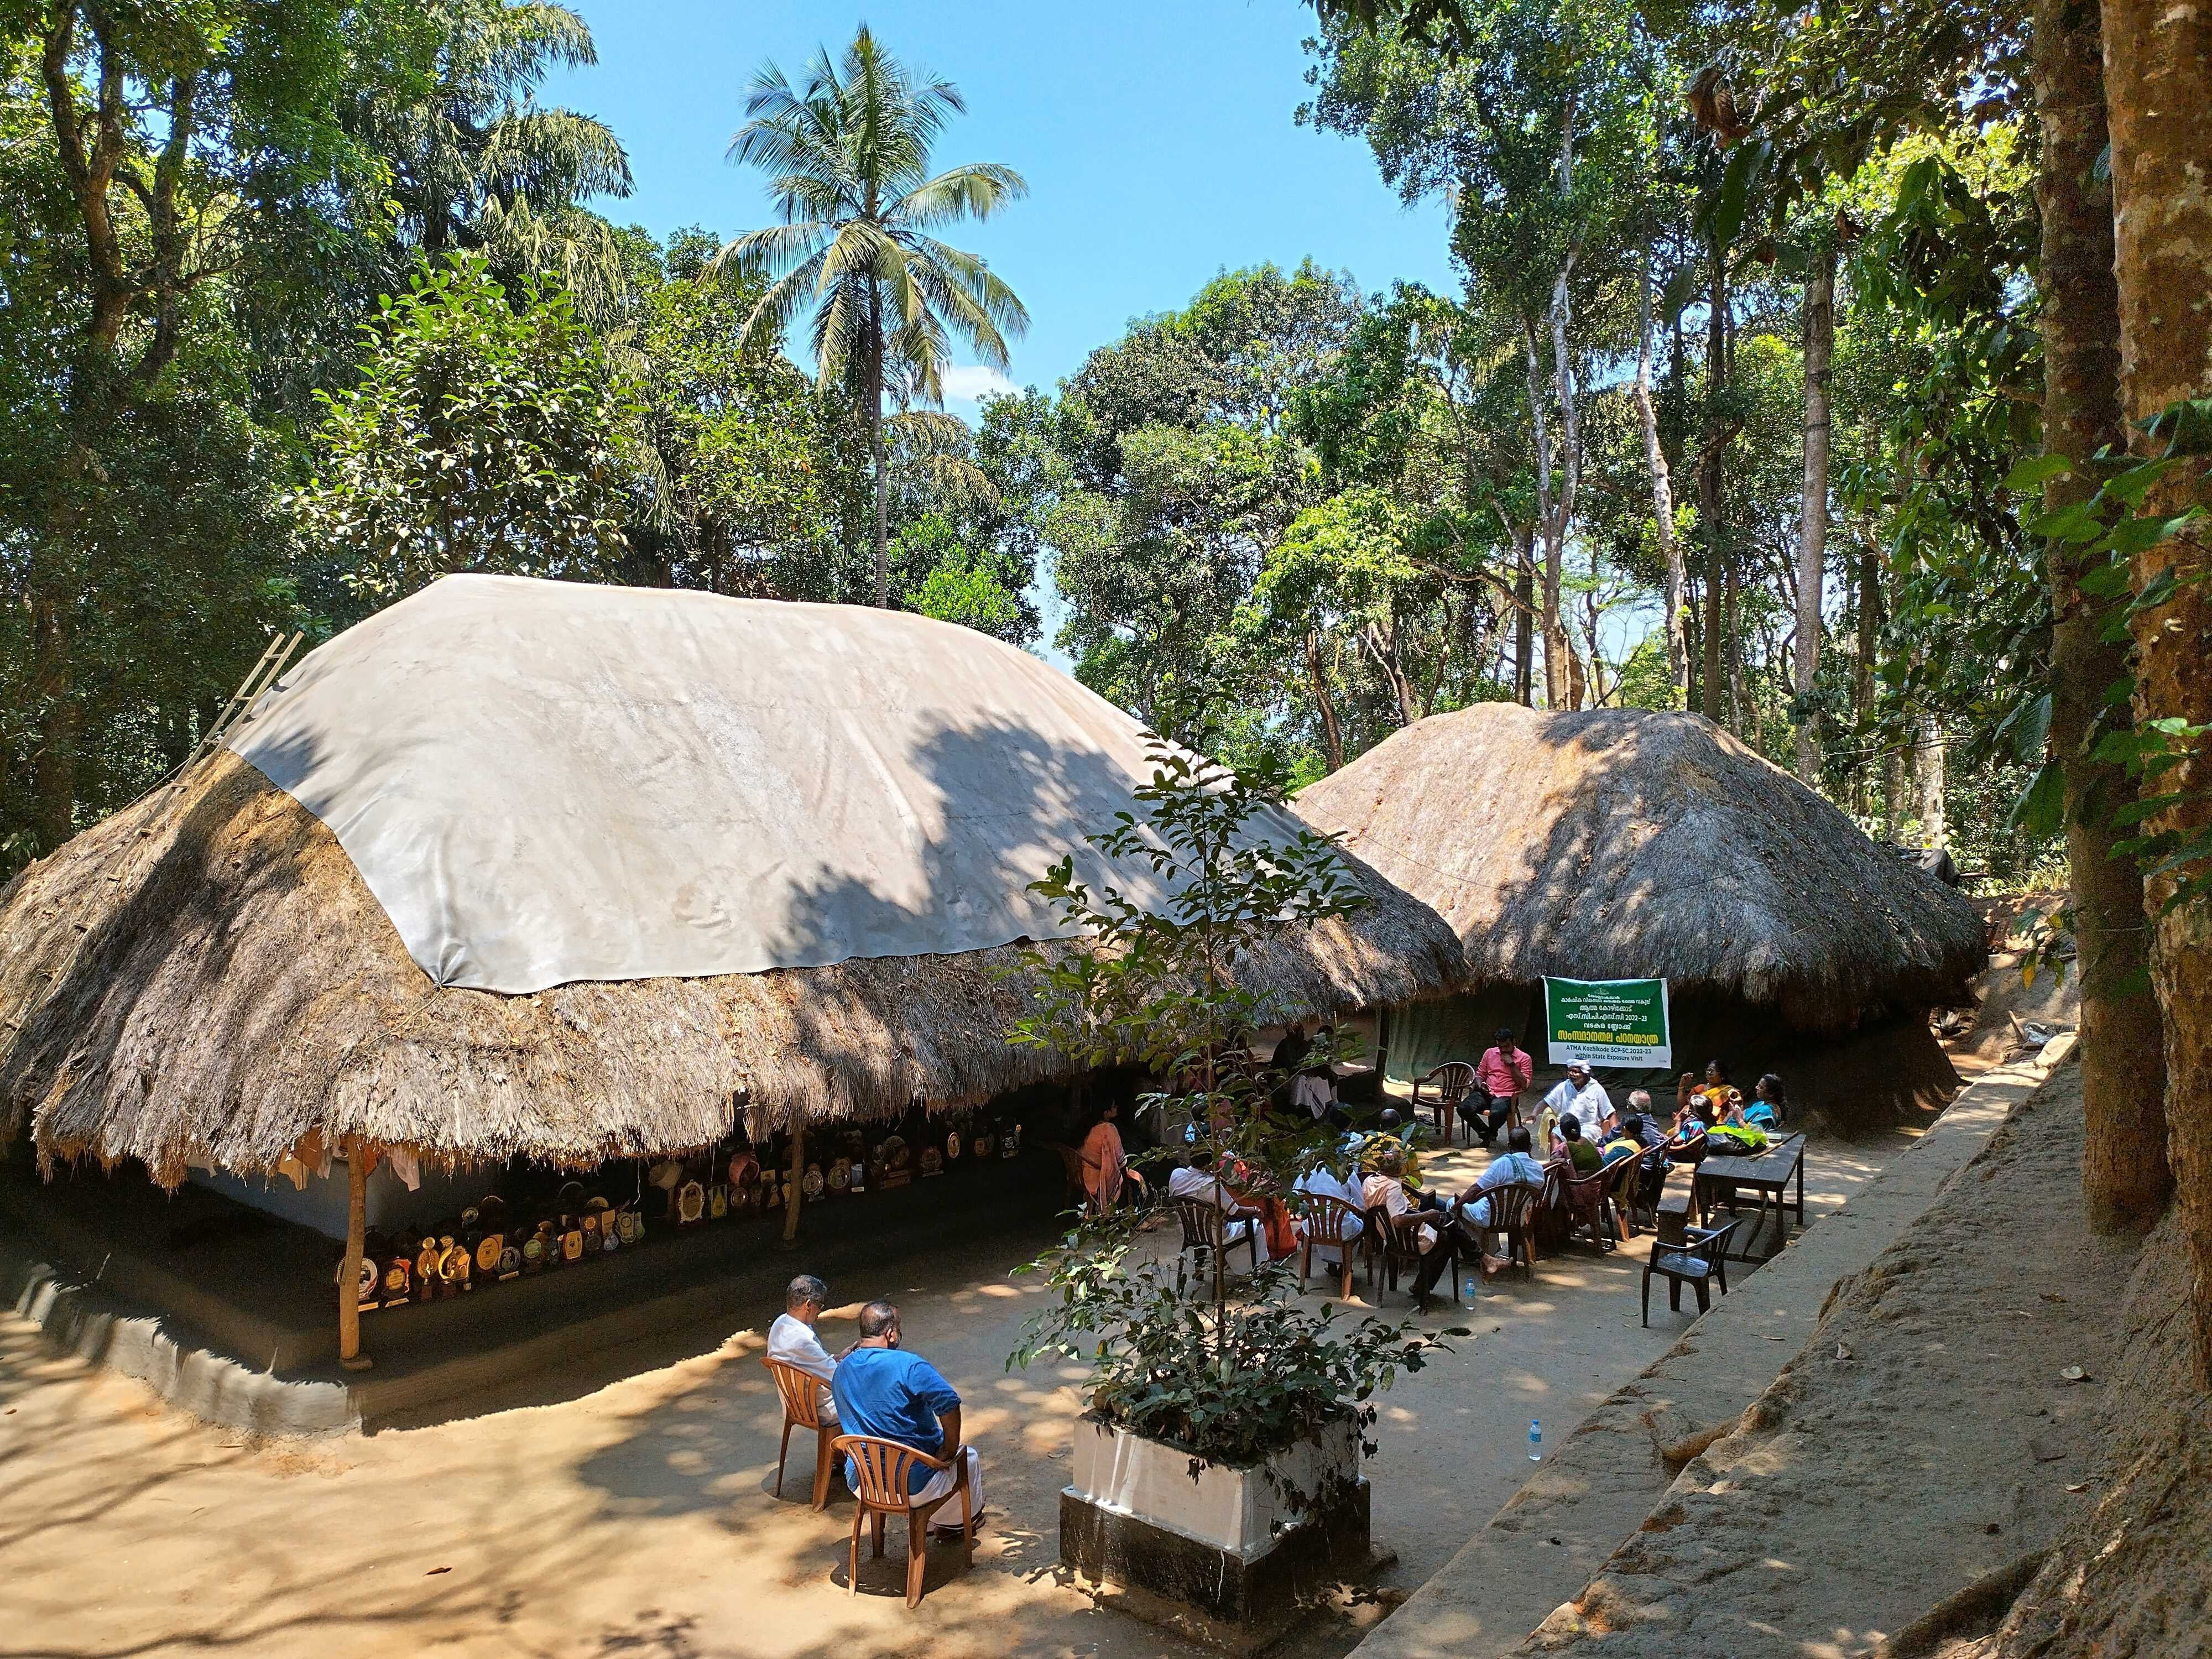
(543,782)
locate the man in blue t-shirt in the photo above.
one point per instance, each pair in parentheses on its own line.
(886,1393)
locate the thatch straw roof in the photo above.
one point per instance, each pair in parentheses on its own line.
(1620,844)
(207,975)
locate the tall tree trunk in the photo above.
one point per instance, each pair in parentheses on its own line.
(1548,528)
(1524,630)
(1872,615)
(1663,486)
(1694,643)
(53,696)
(1928,804)
(1870,608)
(2158,92)
(1813,513)
(1331,731)
(1892,793)
(1710,498)
(1556,637)
(1732,616)
(2125,1178)
(1383,644)
(883,491)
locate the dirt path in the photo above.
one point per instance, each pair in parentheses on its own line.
(1926,1437)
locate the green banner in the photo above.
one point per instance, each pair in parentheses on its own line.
(1608,1022)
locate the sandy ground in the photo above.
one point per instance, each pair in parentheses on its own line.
(639,1519)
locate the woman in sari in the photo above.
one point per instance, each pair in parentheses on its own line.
(1104,1169)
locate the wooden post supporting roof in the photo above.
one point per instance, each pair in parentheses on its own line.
(357,1162)
(791,1191)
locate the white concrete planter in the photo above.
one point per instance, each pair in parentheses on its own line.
(1239,1511)
(1227,1540)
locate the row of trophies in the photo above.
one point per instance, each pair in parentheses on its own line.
(489,1244)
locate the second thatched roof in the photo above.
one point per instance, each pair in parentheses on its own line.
(1622,844)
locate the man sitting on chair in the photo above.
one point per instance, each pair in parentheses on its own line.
(1198,1181)
(1500,1075)
(888,1394)
(794,1341)
(1516,1165)
(1385,1190)
(1322,1181)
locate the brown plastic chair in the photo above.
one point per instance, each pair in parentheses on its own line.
(1071,1167)
(1329,1221)
(1627,1176)
(883,1488)
(1442,1090)
(1585,1197)
(802,1393)
(1400,1239)
(1512,1212)
(1204,1228)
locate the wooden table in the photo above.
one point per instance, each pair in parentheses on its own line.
(1770,1175)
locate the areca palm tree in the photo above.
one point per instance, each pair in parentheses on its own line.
(848,156)
(477,162)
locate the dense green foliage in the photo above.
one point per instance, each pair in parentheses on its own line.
(481,436)
(341,316)
(1232,1381)
(302,306)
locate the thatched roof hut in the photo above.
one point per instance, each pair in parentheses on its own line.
(1621,844)
(579,872)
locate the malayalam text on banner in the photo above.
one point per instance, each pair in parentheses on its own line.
(1608,1022)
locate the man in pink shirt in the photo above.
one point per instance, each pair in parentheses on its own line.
(1499,1077)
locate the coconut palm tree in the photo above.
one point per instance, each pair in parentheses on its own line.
(848,158)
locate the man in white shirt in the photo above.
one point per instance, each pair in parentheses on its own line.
(1322,1181)
(794,1341)
(1581,1096)
(1515,1164)
(1198,1180)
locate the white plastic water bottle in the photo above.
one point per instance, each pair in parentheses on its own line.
(1471,1286)
(1535,1441)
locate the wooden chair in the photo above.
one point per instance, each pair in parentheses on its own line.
(802,1393)
(1513,1214)
(883,1488)
(1071,1167)
(1442,1090)
(1331,1221)
(1702,1260)
(1206,1228)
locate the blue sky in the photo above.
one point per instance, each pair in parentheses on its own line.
(1156,137)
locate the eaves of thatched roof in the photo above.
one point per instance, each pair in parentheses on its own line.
(205,977)
(1620,844)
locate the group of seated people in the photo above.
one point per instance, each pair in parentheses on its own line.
(880,1389)
(1577,1123)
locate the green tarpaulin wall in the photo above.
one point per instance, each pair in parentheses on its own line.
(1423,1035)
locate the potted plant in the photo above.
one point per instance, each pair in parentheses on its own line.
(1219,1462)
